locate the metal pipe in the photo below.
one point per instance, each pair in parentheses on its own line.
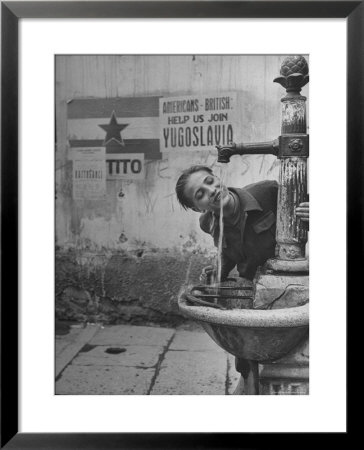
(224,153)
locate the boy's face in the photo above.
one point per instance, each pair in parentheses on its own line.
(206,193)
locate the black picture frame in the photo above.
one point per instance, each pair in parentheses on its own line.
(11,13)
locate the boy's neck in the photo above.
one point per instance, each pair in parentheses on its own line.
(229,211)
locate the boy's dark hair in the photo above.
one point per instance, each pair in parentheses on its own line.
(184,201)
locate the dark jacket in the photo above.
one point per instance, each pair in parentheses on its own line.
(251,241)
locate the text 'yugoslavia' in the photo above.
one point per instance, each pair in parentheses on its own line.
(198,136)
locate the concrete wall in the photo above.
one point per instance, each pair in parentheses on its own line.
(125,257)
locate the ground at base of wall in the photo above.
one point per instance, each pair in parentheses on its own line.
(140,360)
(64,327)
(121,288)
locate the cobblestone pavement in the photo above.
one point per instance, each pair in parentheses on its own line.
(140,360)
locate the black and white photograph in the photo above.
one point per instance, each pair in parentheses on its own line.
(181,224)
(181,198)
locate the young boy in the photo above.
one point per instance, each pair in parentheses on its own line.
(249,216)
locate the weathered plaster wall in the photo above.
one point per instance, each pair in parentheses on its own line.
(126,257)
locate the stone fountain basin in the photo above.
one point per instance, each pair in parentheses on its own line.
(257,335)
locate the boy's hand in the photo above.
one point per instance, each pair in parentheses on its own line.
(303,211)
(208,275)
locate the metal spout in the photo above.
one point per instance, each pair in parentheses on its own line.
(224,153)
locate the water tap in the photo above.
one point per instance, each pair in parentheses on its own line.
(224,153)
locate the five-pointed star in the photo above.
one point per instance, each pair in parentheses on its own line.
(113,130)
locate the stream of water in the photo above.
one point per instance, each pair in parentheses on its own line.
(222,177)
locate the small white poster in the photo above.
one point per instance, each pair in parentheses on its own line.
(197,122)
(89,173)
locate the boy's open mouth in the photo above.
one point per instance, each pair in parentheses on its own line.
(218,196)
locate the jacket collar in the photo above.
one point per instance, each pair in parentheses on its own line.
(247,201)
(210,221)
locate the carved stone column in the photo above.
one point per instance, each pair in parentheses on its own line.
(283,282)
(283,277)
(293,154)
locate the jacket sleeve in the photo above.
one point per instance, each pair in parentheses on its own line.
(205,222)
(274,195)
(227,266)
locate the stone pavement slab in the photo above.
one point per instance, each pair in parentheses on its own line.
(62,341)
(131,356)
(192,373)
(193,341)
(121,335)
(70,351)
(103,380)
(139,360)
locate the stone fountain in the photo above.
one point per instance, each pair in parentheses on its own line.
(265,326)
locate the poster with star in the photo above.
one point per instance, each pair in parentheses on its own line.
(128,129)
